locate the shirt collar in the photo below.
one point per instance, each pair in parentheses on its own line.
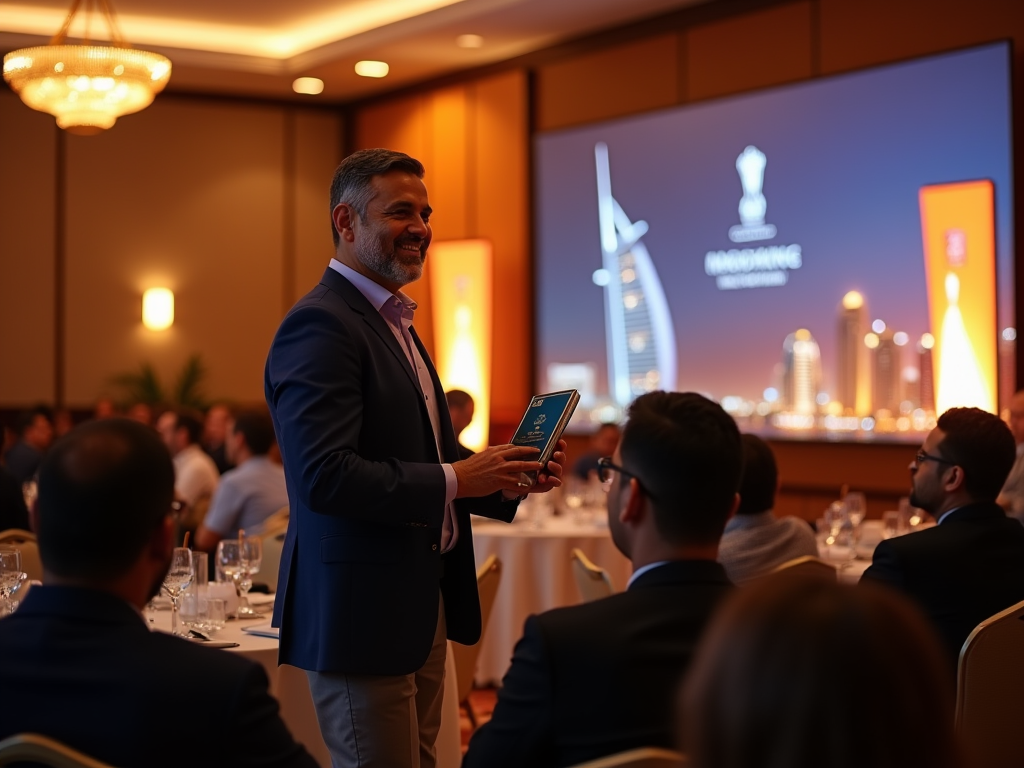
(946,514)
(642,570)
(375,293)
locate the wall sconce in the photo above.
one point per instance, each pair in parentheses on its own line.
(461,306)
(158,308)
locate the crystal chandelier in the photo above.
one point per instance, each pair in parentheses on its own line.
(87,87)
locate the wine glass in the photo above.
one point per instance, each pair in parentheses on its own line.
(178,577)
(11,577)
(252,558)
(234,559)
(856,507)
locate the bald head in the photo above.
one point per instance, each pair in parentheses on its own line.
(104,489)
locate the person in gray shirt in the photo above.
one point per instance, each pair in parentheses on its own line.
(755,541)
(251,492)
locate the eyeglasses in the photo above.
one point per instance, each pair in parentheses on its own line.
(921,457)
(605,466)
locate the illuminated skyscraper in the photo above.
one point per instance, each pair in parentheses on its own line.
(924,352)
(886,369)
(801,377)
(852,382)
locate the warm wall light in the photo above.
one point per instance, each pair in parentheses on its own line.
(372,68)
(469,41)
(461,299)
(158,309)
(310,85)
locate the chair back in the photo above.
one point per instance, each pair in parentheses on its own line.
(273,546)
(644,757)
(810,567)
(42,750)
(488,577)
(276,523)
(593,581)
(990,691)
(31,563)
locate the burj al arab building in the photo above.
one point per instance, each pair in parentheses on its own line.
(638,326)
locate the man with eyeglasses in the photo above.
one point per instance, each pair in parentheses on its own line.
(969,566)
(600,678)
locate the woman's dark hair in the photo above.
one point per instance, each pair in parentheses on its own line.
(802,673)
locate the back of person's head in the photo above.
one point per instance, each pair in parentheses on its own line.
(760,477)
(686,453)
(256,428)
(192,421)
(103,490)
(458,398)
(353,178)
(980,443)
(26,419)
(806,673)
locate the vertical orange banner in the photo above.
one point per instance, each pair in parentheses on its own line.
(958,229)
(461,304)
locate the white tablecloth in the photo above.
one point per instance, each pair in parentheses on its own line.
(291,688)
(536,576)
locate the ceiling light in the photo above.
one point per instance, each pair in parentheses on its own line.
(310,85)
(372,68)
(469,41)
(87,87)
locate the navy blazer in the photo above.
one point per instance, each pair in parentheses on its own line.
(960,573)
(81,666)
(595,679)
(361,567)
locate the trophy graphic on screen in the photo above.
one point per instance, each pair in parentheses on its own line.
(638,326)
(753,205)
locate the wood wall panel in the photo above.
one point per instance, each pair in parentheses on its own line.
(187,195)
(318,150)
(751,51)
(610,82)
(28,185)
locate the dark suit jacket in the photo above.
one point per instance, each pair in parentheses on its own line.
(599,678)
(960,572)
(81,666)
(361,564)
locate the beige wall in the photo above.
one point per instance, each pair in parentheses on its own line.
(218,201)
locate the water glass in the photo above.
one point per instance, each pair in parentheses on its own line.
(178,577)
(239,559)
(857,507)
(890,525)
(11,577)
(194,597)
(216,613)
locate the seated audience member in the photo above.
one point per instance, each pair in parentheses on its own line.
(969,566)
(104,409)
(78,662)
(461,408)
(142,413)
(602,443)
(1011,497)
(599,678)
(252,491)
(13,512)
(34,432)
(755,541)
(215,433)
(812,674)
(195,474)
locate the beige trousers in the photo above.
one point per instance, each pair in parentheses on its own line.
(382,721)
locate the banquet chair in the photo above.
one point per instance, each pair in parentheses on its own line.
(276,523)
(26,542)
(42,750)
(990,691)
(808,566)
(643,757)
(488,577)
(273,545)
(593,581)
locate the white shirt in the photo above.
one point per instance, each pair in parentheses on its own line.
(399,307)
(195,475)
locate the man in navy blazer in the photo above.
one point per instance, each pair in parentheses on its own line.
(377,568)
(595,679)
(78,661)
(970,566)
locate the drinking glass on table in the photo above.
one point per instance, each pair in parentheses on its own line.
(856,507)
(11,578)
(239,559)
(178,577)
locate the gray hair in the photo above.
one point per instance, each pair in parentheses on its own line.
(351,182)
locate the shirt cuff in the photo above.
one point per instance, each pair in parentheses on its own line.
(451,484)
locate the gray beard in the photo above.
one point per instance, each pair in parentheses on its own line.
(390,269)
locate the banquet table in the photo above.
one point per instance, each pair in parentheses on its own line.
(289,685)
(536,576)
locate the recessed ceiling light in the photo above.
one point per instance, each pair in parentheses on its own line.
(372,68)
(310,85)
(469,41)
